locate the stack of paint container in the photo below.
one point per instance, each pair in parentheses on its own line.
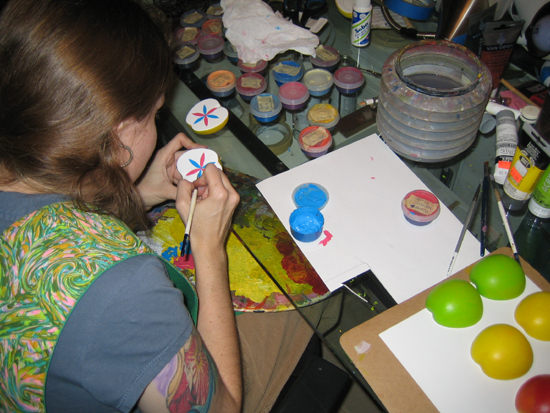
(307,221)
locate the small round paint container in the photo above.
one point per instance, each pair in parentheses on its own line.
(212,26)
(348,80)
(211,47)
(306,224)
(318,81)
(287,71)
(187,35)
(327,58)
(230,52)
(293,95)
(258,67)
(420,207)
(221,83)
(250,85)
(192,18)
(265,107)
(323,114)
(315,141)
(276,136)
(310,195)
(187,56)
(214,11)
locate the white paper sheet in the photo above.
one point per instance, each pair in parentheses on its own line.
(366,182)
(438,359)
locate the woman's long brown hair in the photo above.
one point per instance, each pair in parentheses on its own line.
(70,72)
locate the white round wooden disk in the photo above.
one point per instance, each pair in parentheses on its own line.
(191,163)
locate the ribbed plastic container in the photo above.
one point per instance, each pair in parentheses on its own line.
(432,99)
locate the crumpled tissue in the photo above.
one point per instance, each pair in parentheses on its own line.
(259,34)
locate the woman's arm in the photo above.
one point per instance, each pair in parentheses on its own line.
(216,319)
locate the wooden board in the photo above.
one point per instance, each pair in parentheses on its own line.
(385,374)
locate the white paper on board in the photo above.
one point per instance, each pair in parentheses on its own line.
(366,182)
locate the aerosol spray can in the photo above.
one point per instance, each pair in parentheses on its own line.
(360,23)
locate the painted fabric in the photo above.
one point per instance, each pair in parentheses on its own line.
(48,260)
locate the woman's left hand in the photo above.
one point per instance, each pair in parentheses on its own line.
(158,182)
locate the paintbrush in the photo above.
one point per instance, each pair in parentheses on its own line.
(505,220)
(484,205)
(185,243)
(467,221)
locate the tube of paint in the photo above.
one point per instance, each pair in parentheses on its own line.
(507,140)
(527,166)
(360,23)
(539,204)
(477,21)
(498,43)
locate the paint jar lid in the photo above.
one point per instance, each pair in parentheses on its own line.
(318,80)
(230,51)
(310,195)
(214,11)
(265,105)
(221,81)
(420,207)
(259,66)
(187,35)
(529,114)
(193,18)
(306,224)
(323,114)
(293,93)
(251,84)
(212,26)
(210,44)
(348,78)
(326,56)
(287,71)
(315,139)
(186,54)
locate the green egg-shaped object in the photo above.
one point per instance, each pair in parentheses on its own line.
(498,277)
(455,303)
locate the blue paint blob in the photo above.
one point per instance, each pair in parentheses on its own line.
(310,195)
(306,224)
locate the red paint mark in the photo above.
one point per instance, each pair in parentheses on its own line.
(371,158)
(373,177)
(327,238)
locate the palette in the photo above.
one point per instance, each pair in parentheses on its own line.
(437,373)
(255,223)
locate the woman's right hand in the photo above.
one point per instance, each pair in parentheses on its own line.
(216,202)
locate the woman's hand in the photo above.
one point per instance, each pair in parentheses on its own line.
(216,201)
(158,182)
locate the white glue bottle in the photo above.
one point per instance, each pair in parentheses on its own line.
(360,23)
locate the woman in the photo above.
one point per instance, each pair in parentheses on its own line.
(90,319)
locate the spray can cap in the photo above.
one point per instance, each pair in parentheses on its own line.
(362,4)
(529,113)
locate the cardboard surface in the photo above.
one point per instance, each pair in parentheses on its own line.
(391,381)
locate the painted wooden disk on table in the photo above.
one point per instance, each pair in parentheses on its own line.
(207,116)
(191,163)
